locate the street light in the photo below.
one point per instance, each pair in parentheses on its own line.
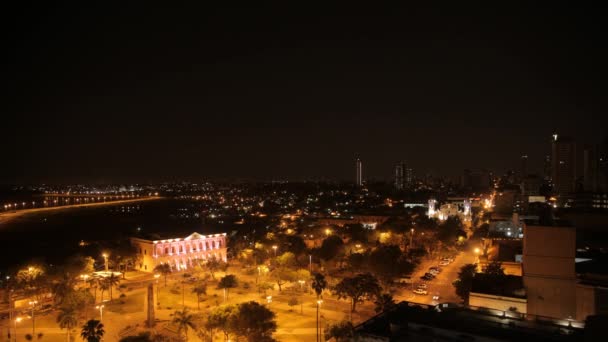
(156,276)
(411,237)
(33,305)
(327,232)
(301,284)
(100,307)
(17,320)
(275,250)
(319,301)
(105,256)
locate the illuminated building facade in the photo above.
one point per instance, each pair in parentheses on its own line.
(180,253)
(399,173)
(359,166)
(563,167)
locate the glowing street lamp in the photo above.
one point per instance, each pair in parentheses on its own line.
(275,249)
(33,305)
(327,232)
(105,257)
(301,284)
(319,302)
(17,320)
(156,276)
(100,308)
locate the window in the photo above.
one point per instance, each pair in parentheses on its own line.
(181,249)
(172,250)
(219,244)
(166,250)
(145,252)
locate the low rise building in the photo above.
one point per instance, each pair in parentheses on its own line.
(180,253)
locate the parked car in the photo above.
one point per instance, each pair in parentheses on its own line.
(434,272)
(435,268)
(420,291)
(422,286)
(436,297)
(444,263)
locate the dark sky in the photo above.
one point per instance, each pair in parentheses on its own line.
(145,94)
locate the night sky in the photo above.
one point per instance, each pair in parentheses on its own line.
(113,94)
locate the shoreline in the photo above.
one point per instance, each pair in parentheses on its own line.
(7,217)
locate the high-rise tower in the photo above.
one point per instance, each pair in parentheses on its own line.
(359,166)
(399,173)
(563,164)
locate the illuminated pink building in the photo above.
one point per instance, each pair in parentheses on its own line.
(180,253)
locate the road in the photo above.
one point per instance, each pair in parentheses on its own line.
(11,215)
(441,285)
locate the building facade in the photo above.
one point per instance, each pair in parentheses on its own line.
(179,253)
(548,269)
(563,167)
(359,166)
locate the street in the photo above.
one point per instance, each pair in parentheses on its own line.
(442,284)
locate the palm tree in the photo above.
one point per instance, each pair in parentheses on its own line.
(200,289)
(319,284)
(103,287)
(67,319)
(164,269)
(184,320)
(112,281)
(92,331)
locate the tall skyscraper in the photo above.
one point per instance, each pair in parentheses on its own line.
(359,166)
(409,177)
(563,164)
(399,172)
(524,166)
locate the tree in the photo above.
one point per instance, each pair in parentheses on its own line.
(356,261)
(295,244)
(112,280)
(221,319)
(384,262)
(125,256)
(228,282)
(184,321)
(330,247)
(465,281)
(67,320)
(78,300)
(255,322)
(293,301)
(341,332)
(92,331)
(494,268)
(214,264)
(358,288)
(356,232)
(264,286)
(104,286)
(164,269)
(62,287)
(283,269)
(32,280)
(319,284)
(199,289)
(384,302)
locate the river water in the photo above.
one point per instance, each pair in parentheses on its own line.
(51,236)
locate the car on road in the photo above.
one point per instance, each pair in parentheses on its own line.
(436,297)
(420,291)
(427,276)
(434,272)
(435,268)
(422,286)
(444,263)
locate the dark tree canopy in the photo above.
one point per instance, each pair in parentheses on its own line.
(358,288)
(464,282)
(330,247)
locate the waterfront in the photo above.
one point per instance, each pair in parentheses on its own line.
(51,236)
